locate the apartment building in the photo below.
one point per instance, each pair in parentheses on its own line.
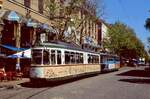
(22,21)
(90,27)
(29,22)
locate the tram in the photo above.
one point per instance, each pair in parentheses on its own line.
(109,62)
(54,61)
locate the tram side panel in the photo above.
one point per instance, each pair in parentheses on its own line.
(63,70)
(92,63)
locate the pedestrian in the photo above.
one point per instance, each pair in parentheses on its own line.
(18,69)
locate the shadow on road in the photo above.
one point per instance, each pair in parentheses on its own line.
(52,83)
(138,81)
(135,73)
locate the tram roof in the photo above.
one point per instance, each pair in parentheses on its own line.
(64,45)
(108,54)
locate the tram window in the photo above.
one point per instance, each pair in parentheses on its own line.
(45,57)
(58,57)
(53,60)
(97,59)
(77,58)
(81,58)
(93,59)
(72,57)
(67,57)
(36,56)
(89,58)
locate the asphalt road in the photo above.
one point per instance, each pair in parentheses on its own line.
(127,83)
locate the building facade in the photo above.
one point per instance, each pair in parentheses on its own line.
(103,30)
(29,23)
(23,22)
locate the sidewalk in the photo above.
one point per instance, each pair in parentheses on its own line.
(14,83)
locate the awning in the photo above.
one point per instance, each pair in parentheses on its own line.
(48,29)
(32,23)
(13,48)
(45,26)
(22,54)
(12,16)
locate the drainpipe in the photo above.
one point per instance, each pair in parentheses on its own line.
(18,43)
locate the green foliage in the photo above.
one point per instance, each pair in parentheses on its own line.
(123,41)
(147,26)
(63,14)
(51,8)
(147,23)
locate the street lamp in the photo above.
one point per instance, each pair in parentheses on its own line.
(1,29)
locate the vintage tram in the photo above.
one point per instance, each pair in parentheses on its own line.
(109,62)
(54,61)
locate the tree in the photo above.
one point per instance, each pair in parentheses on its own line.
(123,41)
(66,16)
(147,23)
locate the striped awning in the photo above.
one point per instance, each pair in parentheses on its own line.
(32,23)
(48,28)
(22,54)
(13,48)
(12,16)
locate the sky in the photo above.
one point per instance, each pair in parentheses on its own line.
(131,12)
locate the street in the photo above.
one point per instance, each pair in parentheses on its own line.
(127,83)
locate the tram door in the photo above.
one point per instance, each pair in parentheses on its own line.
(103,62)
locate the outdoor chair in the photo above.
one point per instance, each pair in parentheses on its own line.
(18,75)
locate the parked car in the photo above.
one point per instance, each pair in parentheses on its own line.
(133,62)
(141,63)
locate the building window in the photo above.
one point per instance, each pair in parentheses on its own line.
(27,3)
(40,6)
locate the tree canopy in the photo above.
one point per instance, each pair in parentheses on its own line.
(147,23)
(122,40)
(66,15)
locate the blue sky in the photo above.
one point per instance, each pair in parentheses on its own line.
(131,12)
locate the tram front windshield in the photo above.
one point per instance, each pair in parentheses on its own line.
(36,56)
